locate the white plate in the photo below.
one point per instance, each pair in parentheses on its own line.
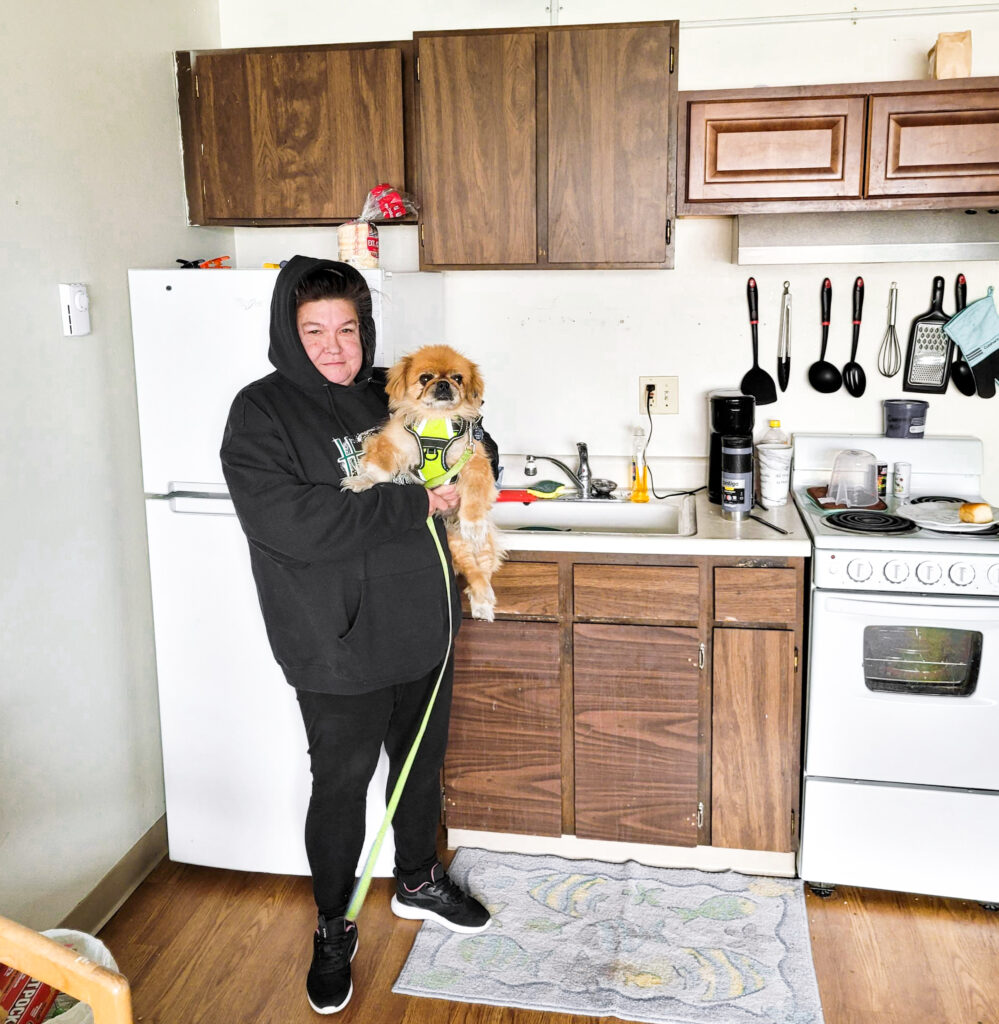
(944,517)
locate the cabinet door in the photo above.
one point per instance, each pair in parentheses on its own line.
(636,733)
(503,767)
(303,135)
(611,103)
(478,152)
(754,743)
(937,143)
(755,150)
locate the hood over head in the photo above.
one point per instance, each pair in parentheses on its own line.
(287,353)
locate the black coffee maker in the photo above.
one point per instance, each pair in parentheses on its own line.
(729,412)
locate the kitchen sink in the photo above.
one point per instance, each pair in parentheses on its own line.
(670,516)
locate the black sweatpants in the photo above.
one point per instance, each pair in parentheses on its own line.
(346,734)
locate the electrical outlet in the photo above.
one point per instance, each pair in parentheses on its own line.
(665,397)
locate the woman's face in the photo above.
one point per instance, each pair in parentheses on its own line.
(331,335)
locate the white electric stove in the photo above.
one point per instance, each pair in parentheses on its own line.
(901,775)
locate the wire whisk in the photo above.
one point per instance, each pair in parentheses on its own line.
(890,354)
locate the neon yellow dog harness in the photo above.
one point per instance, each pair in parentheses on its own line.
(435,437)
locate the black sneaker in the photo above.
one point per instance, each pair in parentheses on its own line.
(439,899)
(328,985)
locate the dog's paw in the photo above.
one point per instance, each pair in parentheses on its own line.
(483,603)
(361,482)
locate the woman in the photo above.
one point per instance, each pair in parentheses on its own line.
(353,598)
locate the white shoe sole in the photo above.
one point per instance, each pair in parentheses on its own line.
(418,914)
(350,992)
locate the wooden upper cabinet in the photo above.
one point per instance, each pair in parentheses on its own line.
(296,135)
(871,146)
(933,143)
(478,137)
(753,149)
(610,114)
(548,148)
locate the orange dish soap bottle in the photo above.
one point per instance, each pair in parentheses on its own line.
(639,471)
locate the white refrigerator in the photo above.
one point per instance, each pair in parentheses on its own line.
(235,762)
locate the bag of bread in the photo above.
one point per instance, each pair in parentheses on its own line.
(357,240)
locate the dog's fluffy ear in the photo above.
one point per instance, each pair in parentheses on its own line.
(476,385)
(395,384)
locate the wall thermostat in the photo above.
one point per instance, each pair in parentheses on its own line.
(75,304)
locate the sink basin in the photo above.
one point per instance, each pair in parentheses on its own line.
(671,516)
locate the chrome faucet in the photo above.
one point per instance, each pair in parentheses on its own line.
(581,479)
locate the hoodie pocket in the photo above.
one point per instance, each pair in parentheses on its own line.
(400,628)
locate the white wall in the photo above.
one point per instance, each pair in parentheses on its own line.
(91,183)
(563,350)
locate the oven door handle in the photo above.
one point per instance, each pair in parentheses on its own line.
(899,606)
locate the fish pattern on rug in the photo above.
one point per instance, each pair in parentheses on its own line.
(668,946)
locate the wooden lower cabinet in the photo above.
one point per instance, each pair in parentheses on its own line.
(659,702)
(636,715)
(503,767)
(754,736)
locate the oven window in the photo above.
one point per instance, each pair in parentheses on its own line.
(922,659)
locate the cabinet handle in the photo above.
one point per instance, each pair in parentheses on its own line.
(672,60)
(700,814)
(669,230)
(700,656)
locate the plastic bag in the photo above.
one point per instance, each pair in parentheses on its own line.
(67,1009)
(357,240)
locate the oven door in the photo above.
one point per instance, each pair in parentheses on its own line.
(904,689)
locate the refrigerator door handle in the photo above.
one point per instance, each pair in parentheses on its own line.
(220,505)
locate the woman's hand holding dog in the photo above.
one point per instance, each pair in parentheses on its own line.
(443,499)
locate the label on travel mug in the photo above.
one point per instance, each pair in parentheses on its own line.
(882,479)
(900,480)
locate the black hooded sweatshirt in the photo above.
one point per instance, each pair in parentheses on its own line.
(350,585)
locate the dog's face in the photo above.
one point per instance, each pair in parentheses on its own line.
(435,381)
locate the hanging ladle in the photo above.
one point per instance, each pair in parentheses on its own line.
(853,373)
(824,376)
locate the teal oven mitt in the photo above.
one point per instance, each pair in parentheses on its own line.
(976,331)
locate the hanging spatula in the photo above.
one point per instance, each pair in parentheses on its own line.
(757,382)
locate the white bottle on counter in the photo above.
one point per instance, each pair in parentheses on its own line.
(773,462)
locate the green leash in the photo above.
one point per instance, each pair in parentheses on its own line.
(364,882)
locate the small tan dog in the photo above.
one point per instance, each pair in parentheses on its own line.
(435,397)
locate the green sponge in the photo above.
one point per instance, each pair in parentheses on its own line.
(546,489)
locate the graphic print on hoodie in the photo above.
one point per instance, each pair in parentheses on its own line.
(350,585)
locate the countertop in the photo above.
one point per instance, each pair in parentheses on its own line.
(715,535)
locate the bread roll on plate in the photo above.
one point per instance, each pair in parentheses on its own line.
(975,512)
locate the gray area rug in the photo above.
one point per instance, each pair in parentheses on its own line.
(624,940)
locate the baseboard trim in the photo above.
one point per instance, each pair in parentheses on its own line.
(97,908)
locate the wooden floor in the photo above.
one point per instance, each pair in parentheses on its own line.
(203,946)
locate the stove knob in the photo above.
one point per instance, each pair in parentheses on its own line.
(896,572)
(962,574)
(859,570)
(928,572)
(994,574)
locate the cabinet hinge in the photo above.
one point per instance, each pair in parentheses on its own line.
(672,60)
(700,656)
(197,89)
(700,814)
(669,230)
(417,68)
(793,833)
(796,659)
(421,235)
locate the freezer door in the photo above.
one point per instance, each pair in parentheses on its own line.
(234,747)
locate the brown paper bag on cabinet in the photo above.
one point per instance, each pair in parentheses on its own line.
(951,56)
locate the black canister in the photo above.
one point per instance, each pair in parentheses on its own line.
(730,412)
(736,475)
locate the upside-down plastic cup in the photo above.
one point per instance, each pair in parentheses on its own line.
(854,479)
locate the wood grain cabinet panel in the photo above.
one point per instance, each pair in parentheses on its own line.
(478,148)
(524,588)
(756,595)
(641,593)
(756,149)
(608,144)
(755,762)
(286,135)
(502,772)
(636,733)
(934,143)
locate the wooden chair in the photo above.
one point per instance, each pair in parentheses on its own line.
(106,992)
